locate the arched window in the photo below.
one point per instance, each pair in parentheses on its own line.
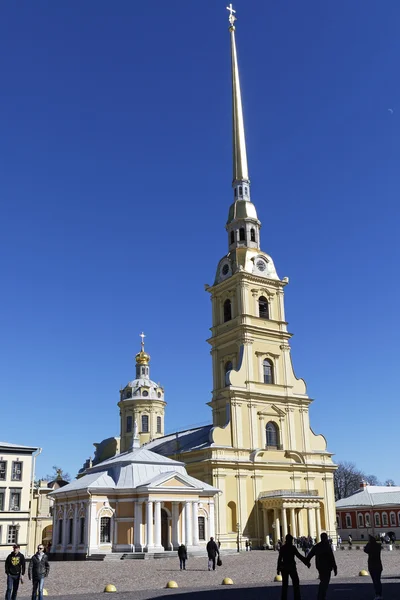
(227,310)
(246,191)
(393,519)
(360,520)
(385,521)
(158,424)
(398,518)
(105,530)
(202,528)
(60,531)
(348,520)
(240,191)
(268,371)
(272,435)
(263,308)
(232,237)
(235,192)
(367,520)
(145,423)
(227,367)
(377,518)
(242,235)
(252,235)
(231,516)
(129,424)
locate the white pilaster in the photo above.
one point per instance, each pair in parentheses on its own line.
(188,524)
(277,526)
(149,526)
(195,509)
(94,534)
(211,531)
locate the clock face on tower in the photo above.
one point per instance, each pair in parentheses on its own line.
(225,269)
(261,266)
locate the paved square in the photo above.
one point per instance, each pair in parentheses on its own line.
(252,573)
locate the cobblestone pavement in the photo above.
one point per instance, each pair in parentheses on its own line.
(145,579)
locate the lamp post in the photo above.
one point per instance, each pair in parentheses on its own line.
(238,536)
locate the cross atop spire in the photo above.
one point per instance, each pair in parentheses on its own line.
(232,17)
(142,343)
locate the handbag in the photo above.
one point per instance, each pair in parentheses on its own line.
(219,562)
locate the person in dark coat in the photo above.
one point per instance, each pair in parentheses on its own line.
(182,553)
(373,549)
(15,569)
(287,567)
(213,552)
(39,568)
(325,563)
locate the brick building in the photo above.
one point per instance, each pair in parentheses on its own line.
(371,510)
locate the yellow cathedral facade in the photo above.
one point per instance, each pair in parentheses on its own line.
(264,471)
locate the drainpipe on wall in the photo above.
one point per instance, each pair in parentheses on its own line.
(88,552)
(34,457)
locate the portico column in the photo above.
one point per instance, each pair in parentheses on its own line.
(157,524)
(188,525)
(277,526)
(318,520)
(175,525)
(195,508)
(265,526)
(293,522)
(300,529)
(138,527)
(284,523)
(310,515)
(149,524)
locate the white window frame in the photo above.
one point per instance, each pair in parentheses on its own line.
(360,521)
(377,519)
(367,520)
(15,491)
(3,493)
(111,530)
(385,518)
(392,521)
(15,471)
(4,462)
(12,534)
(348,516)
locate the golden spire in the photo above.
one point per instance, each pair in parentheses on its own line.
(142,358)
(240,169)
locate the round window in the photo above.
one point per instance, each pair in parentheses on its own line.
(159,394)
(225,269)
(261,266)
(145,393)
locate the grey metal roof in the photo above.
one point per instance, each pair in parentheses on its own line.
(182,441)
(132,469)
(372,495)
(6,445)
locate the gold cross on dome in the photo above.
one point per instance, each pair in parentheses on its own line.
(142,344)
(232,17)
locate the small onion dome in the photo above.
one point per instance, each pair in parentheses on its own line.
(142,358)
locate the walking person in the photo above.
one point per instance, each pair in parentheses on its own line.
(212,551)
(373,549)
(15,569)
(350,538)
(182,553)
(325,563)
(39,568)
(287,567)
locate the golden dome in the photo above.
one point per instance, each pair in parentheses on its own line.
(142,358)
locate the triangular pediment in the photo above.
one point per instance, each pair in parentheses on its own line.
(271,410)
(172,480)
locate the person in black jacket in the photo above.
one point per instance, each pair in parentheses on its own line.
(38,569)
(287,567)
(325,563)
(373,549)
(182,554)
(212,551)
(15,569)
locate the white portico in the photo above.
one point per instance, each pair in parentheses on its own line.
(137,501)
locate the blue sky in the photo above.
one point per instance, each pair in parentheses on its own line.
(115,173)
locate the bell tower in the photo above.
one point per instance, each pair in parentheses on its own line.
(142,405)
(254,386)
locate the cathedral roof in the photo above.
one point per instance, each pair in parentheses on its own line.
(182,441)
(129,470)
